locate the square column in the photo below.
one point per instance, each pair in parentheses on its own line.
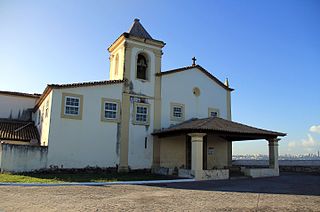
(197,151)
(273,153)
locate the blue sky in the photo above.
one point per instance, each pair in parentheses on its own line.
(269,50)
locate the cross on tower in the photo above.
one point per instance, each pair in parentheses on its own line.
(194,61)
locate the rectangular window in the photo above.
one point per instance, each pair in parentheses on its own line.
(145,142)
(39,116)
(176,112)
(110,109)
(71,106)
(213,112)
(141,113)
(47,109)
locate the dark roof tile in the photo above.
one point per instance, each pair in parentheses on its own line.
(216,124)
(17,130)
(138,30)
(35,95)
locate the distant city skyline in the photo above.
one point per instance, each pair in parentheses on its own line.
(269,50)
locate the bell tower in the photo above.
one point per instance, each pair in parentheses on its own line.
(136,57)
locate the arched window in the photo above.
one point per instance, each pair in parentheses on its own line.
(116,65)
(142,67)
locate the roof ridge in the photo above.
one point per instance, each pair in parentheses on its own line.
(34,95)
(203,70)
(86,83)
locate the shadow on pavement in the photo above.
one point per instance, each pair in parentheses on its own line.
(286,183)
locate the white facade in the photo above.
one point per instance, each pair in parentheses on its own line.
(87,140)
(178,88)
(13,106)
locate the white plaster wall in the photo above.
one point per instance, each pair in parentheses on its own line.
(140,157)
(22,158)
(178,88)
(86,142)
(120,51)
(42,119)
(145,87)
(13,104)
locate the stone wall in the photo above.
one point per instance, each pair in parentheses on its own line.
(22,158)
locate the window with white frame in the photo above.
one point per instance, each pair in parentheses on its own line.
(176,112)
(213,112)
(110,109)
(141,113)
(71,106)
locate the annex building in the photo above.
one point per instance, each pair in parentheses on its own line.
(141,118)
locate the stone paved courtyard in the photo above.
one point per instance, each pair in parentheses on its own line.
(290,192)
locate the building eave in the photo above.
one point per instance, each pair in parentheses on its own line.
(50,87)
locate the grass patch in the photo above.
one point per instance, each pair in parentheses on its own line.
(78,177)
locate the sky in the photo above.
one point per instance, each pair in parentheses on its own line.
(269,50)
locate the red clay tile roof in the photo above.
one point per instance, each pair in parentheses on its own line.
(85,84)
(217,125)
(73,85)
(201,69)
(17,130)
(35,95)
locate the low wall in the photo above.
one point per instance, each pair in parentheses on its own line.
(311,166)
(263,172)
(281,162)
(215,174)
(22,158)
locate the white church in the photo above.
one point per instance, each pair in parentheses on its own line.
(171,122)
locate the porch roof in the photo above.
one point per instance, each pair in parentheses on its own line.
(229,130)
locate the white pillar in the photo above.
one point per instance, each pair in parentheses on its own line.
(273,153)
(197,151)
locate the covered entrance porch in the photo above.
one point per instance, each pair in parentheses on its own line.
(202,149)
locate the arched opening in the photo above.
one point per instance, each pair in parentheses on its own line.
(142,67)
